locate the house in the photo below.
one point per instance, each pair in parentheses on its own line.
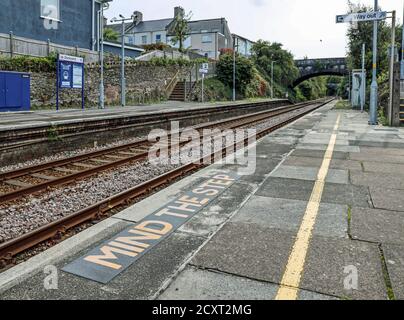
(72,23)
(206,37)
(243,45)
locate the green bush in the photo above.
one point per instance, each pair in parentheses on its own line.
(29,64)
(244,71)
(214,90)
(258,87)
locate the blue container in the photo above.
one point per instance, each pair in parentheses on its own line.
(15,91)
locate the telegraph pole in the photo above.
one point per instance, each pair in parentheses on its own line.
(272,79)
(374,87)
(363,78)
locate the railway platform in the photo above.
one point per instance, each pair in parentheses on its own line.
(40,118)
(322,217)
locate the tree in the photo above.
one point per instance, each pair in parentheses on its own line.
(285,71)
(111,34)
(180,30)
(244,71)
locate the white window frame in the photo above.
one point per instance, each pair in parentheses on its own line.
(142,39)
(159,40)
(207,36)
(51,18)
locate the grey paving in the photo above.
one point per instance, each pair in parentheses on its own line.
(326,262)
(311,174)
(378,180)
(316,163)
(323,147)
(287,215)
(389,199)
(196,284)
(318,154)
(392,168)
(378,226)
(301,190)
(370,156)
(248,250)
(394,256)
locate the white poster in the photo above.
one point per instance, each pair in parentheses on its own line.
(77,76)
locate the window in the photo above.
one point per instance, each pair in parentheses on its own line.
(50,9)
(144,39)
(207,39)
(158,38)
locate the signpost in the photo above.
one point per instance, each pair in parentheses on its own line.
(203,70)
(70,75)
(374,16)
(363,16)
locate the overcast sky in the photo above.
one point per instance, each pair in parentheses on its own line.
(299,24)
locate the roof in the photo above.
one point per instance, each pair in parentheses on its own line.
(144,26)
(210,25)
(243,38)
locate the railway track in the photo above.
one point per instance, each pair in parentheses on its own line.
(29,180)
(138,150)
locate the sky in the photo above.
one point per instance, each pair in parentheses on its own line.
(304,27)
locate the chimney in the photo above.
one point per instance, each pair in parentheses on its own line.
(138,17)
(179,11)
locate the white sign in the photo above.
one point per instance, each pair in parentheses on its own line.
(203,71)
(77,76)
(64,57)
(363,16)
(205,66)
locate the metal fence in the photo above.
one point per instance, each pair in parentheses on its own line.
(11,46)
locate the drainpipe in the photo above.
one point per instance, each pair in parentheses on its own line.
(92,24)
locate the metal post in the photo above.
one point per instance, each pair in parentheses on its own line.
(11,44)
(374,87)
(272,79)
(102,101)
(234,68)
(123,82)
(402,52)
(203,78)
(392,59)
(363,78)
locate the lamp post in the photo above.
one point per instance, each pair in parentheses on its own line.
(272,79)
(235,47)
(374,87)
(123,80)
(104,6)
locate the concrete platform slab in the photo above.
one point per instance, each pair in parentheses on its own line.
(311,174)
(370,156)
(371,225)
(388,199)
(318,154)
(323,147)
(394,256)
(378,180)
(327,260)
(383,167)
(301,190)
(247,250)
(287,215)
(316,163)
(197,284)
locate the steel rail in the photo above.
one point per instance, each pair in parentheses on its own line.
(27,171)
(10,249)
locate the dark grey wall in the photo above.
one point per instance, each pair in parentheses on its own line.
(118,51)
(22,17)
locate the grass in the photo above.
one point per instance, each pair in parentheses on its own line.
(343,105)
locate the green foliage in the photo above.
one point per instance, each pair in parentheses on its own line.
(157,61)
(29,64)
(258,87)
(313,88)
(181,31)
(111,34)
(155,46)
(285,71)
(215,90)
(244,71)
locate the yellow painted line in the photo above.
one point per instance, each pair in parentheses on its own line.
(289,287)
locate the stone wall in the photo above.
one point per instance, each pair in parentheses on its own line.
(144,83)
